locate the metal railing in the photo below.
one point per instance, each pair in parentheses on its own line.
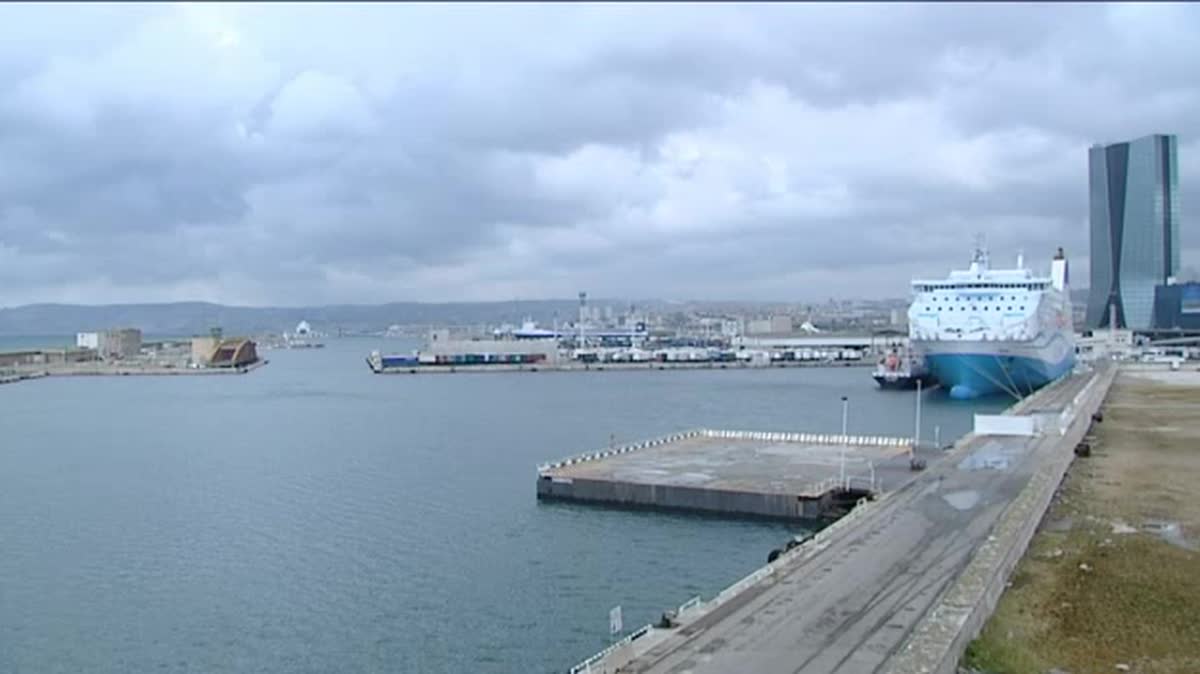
(688,605)
(586,665)
(615,451)
(765,436)
(732,591)
(819,488)
(809,438)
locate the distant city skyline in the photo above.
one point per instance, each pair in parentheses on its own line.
(1135,214)
(315,154)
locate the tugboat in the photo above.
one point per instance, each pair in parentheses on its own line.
(902,372)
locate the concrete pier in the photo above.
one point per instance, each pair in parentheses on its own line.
(122,369)
(744,473)
(24,376)
(900,584)
(645,366)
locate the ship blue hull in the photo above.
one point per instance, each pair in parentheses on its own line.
(970,375)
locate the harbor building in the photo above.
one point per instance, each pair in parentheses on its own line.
(772,325)
(218,351)
(443,346)
(1134,190)
(87,340)
(115,344)
(1177,307)
(120,344)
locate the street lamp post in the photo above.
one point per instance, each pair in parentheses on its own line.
(845,416)
(917,432)
(845,413)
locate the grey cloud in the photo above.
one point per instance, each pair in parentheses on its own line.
(388,152)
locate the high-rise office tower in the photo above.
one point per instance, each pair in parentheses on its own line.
(1135,228)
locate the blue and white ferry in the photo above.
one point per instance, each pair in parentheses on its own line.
(984,331)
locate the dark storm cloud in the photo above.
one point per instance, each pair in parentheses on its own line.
(360,153)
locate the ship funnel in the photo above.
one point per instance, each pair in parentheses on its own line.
(1058,271)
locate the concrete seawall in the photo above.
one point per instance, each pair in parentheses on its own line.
(667,497)
(124,370)
(24,376)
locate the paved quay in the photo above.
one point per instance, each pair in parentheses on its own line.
(886,588)
(779,475)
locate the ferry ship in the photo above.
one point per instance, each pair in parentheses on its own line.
(983,331)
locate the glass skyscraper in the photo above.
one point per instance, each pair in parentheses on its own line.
(1135,228)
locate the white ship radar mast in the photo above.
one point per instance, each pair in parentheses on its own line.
(979,260)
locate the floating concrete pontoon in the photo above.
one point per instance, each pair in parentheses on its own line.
(745,473)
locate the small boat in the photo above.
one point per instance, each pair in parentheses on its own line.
(898,371)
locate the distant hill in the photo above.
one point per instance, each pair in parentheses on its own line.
(195,318)
(188,318)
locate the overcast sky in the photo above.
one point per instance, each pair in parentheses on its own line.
(323,154)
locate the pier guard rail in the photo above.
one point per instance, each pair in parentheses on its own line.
(614,451)
(585,667)
(688,605)
(766,436)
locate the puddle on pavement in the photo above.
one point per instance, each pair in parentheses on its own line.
(991,456)
(962,500)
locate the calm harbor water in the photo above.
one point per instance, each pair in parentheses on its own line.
(313,517)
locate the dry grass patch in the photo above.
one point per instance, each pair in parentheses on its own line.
(1084,598)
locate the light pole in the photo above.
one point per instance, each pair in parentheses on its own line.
(917,433)
(845,413)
